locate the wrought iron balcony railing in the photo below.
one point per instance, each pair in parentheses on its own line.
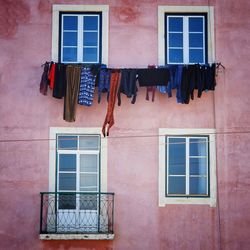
(76,213)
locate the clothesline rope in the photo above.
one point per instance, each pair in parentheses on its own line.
(127,136)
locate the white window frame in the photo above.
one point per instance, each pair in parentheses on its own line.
(163,200)
(186,33)
(209,10)
(57,8)
(80,37)
(86,131)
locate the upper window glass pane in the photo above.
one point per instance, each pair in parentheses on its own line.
(195,24)
(177,156)
(198,146)
(67,142)
(70,22)
(90,23)
(176,24)
(89,142)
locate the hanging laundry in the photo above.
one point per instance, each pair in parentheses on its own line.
(151,88)
(211,77)
(59,88)
(114,85)
(52,75)
(44,79)
(103,83)
(153,77)
(73,75)
(128,85)
(87,87)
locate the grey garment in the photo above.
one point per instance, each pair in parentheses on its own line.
(73,75)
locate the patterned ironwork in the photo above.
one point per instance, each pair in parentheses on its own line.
(63,212)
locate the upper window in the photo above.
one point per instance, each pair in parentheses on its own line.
(185,35)
(187,166)
(80,33)
(186,38)
(80,37)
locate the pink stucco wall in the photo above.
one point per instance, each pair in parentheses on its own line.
(25,43)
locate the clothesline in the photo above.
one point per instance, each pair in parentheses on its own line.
(76,83)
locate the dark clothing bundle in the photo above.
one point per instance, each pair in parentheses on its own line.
(201,77)
(153,77)
(128,85)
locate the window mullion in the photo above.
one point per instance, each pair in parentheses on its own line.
(80,39)
(185,40)
(187,166)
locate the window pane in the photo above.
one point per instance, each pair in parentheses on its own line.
(88,182)
(198,185)
(196,56)
(67,181)
(69,38)
(90,23)
(176,185)
(198,166)
(175,55)
(67,142)
(89,142)
(67,201)
(196,24)
(196,40)
(177,156)
(90,38)
(198,147)
(67,162)
(90,55)
(175,40)
(88,202)
(88,163)
(69,54)
(70,22)
(175,23)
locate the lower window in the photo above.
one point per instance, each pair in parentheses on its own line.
(77,205)
(187,173)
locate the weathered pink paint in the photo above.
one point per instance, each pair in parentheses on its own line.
(25,42)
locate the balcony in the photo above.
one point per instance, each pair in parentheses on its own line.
(66,215)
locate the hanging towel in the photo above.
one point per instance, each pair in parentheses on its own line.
(73,74)
(52,75)
(59,81)
(87,87)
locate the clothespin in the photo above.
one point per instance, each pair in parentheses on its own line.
(220,64)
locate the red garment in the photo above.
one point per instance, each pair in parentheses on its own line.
(52,76)
(114,85)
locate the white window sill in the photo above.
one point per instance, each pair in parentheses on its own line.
(76,236)
(188,200)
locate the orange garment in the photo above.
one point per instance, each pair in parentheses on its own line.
(51,76)
(114,85)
